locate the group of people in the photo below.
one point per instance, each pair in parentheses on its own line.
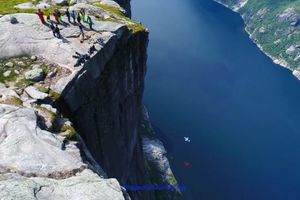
(78,18)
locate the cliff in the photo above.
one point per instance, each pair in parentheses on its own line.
(274,27)
(71,130)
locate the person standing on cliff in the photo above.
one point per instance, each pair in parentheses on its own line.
(55,14)
(68,15)
(81,32)
(78,18)
(53,29)
(73,15)
(59,16)
(90,22)
(57,32)
(41,16)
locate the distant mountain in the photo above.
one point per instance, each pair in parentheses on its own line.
(274,26)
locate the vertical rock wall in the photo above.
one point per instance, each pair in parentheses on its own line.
(104,103)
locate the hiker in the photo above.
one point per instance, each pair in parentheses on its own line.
(55,14)
(81,58)
(100,41)
(59,16)
(90,22)
(81,31)
(68,15)
(92,49)
(73,15)
(48,18)
(78,18)
(57,32)
(53,29)
(41,16)
(82,14)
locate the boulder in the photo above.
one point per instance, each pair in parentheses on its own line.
(36,66)
(7,92)
(7,73)
(61,2)
(34,93)
(72,2)
(43,6)
(9,64)
(13,20)
(35,75)
(25,6)
(33,58)
(21,63)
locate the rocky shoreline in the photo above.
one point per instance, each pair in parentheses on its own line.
(275,60)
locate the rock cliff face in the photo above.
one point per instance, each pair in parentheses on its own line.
(105,99)
(71,117)
(42,156)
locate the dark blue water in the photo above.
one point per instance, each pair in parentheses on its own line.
(208,81)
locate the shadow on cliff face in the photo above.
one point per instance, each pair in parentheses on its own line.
(104,101)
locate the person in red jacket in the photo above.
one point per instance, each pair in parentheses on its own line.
(56,15)
(41,16)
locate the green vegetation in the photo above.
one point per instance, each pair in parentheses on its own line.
(15,101)
(23,83)
(70,131)
(50,114)
(15,70)
(54,95)
(172,180)
(118,14)
(43,89)
(271,29)
(7,6)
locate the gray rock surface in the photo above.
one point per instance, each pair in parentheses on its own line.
(84,186)
(43,5)
(7,92)
(9,64)
(25,6)
(38,164)
(26,149)
(40,41)
(60,2)
(34,93)
(30,158)
(7,73)
(35,74)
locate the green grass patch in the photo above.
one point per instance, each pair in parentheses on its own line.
(134,27)
(15,101)
(7,6)
(54,95)
(70,131)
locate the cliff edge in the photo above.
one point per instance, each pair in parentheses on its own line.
(71,106)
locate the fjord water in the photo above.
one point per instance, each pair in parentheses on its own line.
(208,81)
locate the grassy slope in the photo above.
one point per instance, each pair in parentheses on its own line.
(283,32)
(7,7)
